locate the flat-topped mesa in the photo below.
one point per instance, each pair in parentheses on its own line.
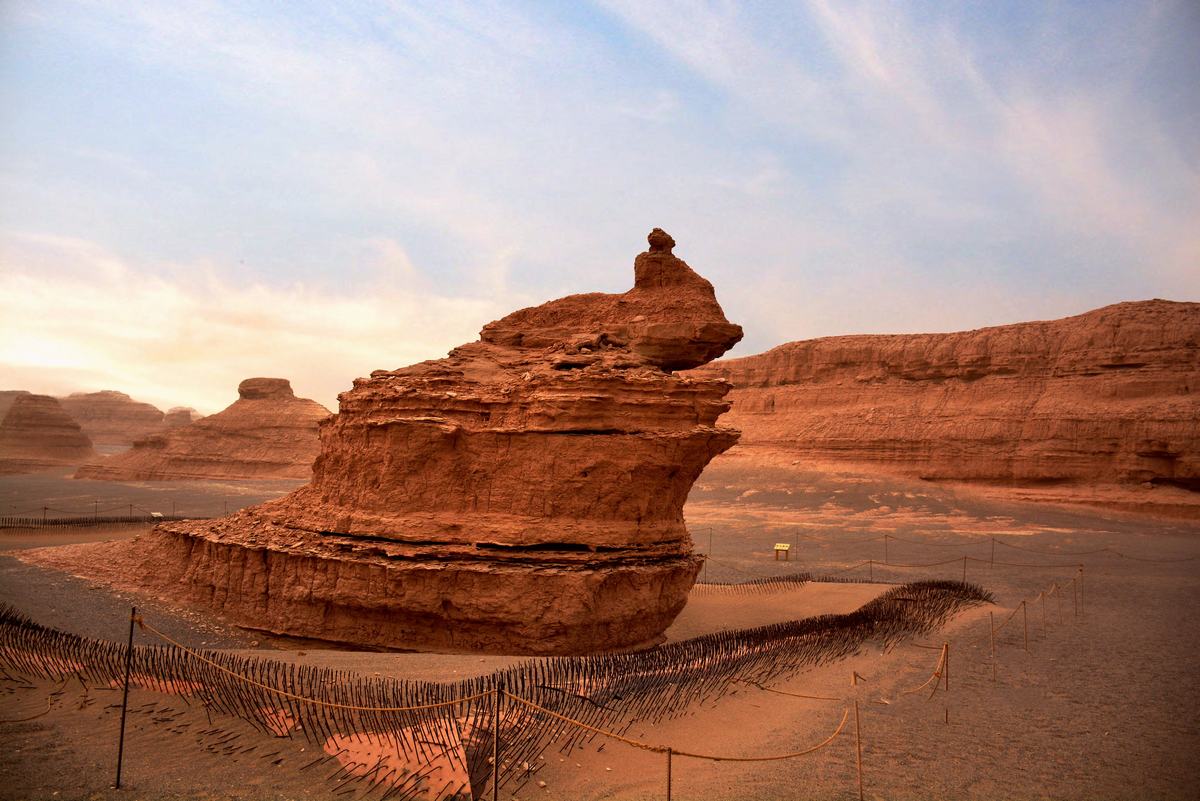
(522,495)
(111,419)
(265,389)
(35,434)
(1107,397)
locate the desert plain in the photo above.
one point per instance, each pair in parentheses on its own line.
(1100,706)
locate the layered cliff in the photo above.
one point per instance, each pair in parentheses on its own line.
(112,419)
(266,433)
(522,495)
(35,433)
(1110,396)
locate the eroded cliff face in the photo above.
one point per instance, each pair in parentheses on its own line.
(522,495)
(1112,395)
(111,418)
(35,433)
(266,433)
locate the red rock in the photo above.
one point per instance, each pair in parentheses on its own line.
(1112,395)
(35,433)
(178,416)
(522,495)
(111,418)
(267,433)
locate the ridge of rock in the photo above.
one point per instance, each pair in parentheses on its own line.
(1112,395)
(522,495)
(35,433)
(266,433)
(112,418)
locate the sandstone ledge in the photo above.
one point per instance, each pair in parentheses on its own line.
(391,595)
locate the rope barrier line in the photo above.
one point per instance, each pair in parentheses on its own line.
(994,539)
(937,674)
(1016,564)
(836,541)
(930,564)
(848,569)
(46,711)
(936,544)
(142,624)
(1051,553)
(662,749)
(1011,615)
(1156,561)
(793,695)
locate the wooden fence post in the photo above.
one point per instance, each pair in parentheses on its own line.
(992,628)
(125,695)
(857,736)
(668,773)
(1025,620)
(496,695)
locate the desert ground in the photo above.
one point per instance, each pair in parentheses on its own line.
(1101,706)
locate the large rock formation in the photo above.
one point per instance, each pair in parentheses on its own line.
(522,495)
(179,416)
(35,433)
(266,433)
(1112,396)
(112,419)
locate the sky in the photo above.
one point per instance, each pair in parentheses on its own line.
(192,193)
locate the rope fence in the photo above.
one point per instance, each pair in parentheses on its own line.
(565,701)
(7,522)
(426,722)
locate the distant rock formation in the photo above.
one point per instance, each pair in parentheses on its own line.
(111,418)
(178,416)
(267,433)
(35,433)
(1112,395)
(522,495)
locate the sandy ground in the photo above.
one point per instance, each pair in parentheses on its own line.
(25,495)
(1105,705)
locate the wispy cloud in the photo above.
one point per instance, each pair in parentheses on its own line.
(73,317)
(326,190)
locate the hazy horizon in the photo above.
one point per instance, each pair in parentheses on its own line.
(196,193)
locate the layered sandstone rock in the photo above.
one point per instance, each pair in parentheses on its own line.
(179,416)
(35,433)
(266,433)
(1112,395)
(112,419)
(522,495)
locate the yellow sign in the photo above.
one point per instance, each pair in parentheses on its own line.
(783,546)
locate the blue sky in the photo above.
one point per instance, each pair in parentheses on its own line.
(193,193)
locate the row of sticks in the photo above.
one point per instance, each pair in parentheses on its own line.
(939,679)
(428,720)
